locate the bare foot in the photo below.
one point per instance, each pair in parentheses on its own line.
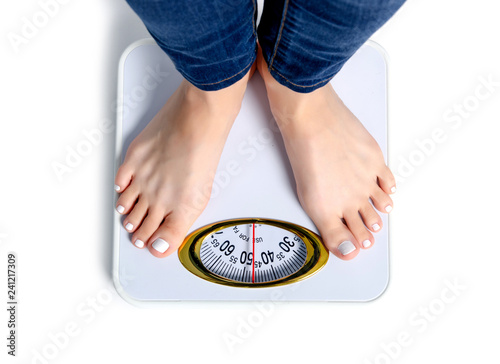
(166,178)
(338,166)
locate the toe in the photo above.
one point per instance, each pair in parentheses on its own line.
(386,180)
(339,240)
(381,200)
(149,225)
(169,236)
(135,217)
(127,200)
(123,178)
(358,229)
(370,217)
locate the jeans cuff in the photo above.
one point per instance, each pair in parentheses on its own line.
(219,85)
(304,89)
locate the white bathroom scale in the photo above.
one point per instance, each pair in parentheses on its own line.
(253,241)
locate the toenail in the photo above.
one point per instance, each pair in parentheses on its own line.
(160,245)
(129,226)
(139,243)
(117,188)
(120,209)
(346,247)
(367,243)
(393,189)
(376,227)
(388,208)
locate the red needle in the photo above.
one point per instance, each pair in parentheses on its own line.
(253,253)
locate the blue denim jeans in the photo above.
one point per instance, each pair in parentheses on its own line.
(213,43)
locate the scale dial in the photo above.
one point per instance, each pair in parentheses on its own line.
(253,253)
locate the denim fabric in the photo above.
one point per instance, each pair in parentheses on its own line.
(305,43)
(212,43)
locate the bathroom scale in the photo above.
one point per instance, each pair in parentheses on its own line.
(253,241)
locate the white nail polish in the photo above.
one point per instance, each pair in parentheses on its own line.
(129,226)
(139,243)
(388,208)
(346,247)
(376,227)
(367,243)
(120,209)
(160,245)
(393,189)
(117,188)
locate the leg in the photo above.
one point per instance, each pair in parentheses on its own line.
(337,164)
(305,43)
(212,43)
(167,174)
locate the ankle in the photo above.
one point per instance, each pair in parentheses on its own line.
(294,110)
(226,101)
(288,106)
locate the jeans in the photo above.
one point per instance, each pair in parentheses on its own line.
(305,43)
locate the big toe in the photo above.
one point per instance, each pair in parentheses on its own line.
(339,240)
(169,235)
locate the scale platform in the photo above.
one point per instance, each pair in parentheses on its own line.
(254,180)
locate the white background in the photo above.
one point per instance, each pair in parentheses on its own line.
(62,82)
